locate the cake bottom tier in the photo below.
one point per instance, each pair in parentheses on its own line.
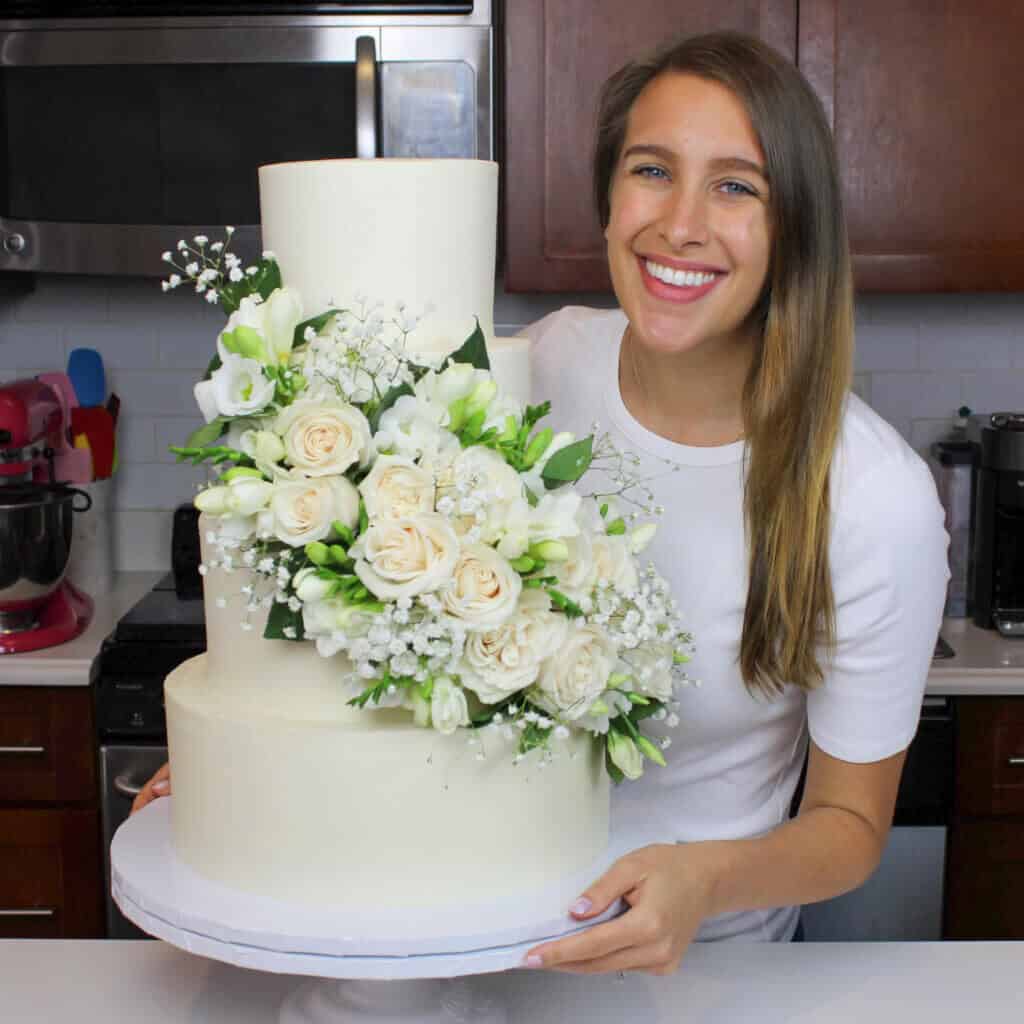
(309,807)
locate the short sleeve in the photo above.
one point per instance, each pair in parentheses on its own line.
(889,573)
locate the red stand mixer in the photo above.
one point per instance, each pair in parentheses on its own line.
(38,465)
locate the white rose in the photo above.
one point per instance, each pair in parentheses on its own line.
(448,708)
(413,429)
(324,438)
(273,319)
(238,387)
(613,561)
(499,662)
(574,676)
(484,590)
(396,487)
(301,511)
(403,557)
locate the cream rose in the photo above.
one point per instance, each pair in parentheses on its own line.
(448,708)
(499,662)
(324,438)
(396,488)
(484,590)
(301,511)
(403,557)
(577,673)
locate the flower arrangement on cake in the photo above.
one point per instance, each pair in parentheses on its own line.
(406,514)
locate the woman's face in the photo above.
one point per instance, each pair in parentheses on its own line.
(688,234)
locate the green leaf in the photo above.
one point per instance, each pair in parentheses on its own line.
(280,617)
(389,399)
(531,498)
(209,433)
(568,464)
(316,322)
(212,367)
(473,351)
(263,283)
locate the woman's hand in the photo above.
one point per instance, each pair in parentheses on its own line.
(159,785)
(668,889)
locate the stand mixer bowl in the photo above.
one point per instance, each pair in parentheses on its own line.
(35,542)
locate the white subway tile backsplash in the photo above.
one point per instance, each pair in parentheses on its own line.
(128,347)
(918,358)
(993,390)
(24,347)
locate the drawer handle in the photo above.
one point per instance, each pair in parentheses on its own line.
(1015,762)
(22,750)
(28,911)
(124,785)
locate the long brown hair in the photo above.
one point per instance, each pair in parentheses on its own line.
(799,377)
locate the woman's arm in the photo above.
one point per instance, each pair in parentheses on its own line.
(159,785)
(832,846)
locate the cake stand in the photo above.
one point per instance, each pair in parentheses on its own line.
(371,965)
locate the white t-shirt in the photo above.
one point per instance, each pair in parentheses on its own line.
(735,759)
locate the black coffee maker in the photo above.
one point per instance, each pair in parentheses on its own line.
(997,572)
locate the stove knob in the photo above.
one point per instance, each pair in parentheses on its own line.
(14,243)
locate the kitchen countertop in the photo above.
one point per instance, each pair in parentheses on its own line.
(68,664)
(985,663)
(81,982)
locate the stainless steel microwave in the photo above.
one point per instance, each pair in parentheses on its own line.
(119,135)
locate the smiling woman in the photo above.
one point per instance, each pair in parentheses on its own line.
(727,369)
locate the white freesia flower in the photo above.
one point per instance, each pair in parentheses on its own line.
(448,708)
(651,668)
(577,574)
(484,588)
(301,511)
(273,319)
(554,517)
(308,585)
(501,661)
(398,558)
(484,472)
(265,448)
(413,429)
(333,624)
(396,487)
(574,676)
(323,437)
(640,537)
(456,381)
(238,387)
(242,496)
(613,561)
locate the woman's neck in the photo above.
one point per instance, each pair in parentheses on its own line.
(693,398)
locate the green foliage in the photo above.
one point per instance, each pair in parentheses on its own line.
(263,283)
(473,351)
(568,464)
(207,434)
(280,617)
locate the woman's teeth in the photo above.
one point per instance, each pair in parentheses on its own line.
(680,278)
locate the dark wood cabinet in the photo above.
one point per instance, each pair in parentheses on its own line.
(921,95)
(51,875)
(557,55)
(985,869)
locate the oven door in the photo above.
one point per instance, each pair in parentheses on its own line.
(124,769)
(119,137)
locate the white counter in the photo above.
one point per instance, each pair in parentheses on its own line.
(984,664)
(798,983)
(68,664)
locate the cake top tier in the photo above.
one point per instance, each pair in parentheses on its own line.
(419,232)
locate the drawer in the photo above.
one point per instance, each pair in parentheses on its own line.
(50,874)
(990,756)
(47,745)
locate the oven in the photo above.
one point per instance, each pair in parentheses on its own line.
(155,636)
(127,125)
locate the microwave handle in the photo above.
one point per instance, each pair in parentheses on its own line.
(366,97)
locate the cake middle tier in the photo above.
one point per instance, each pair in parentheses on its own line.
(309,808)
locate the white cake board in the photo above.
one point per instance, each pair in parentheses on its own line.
(169,900)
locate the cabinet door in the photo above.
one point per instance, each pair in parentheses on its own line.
(557,55)
(985,881)
(47,744)
(50,874)
(925,99)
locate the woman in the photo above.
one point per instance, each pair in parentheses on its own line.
(803,537)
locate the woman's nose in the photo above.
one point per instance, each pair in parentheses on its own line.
(685,220)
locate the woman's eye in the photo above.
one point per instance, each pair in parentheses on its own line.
(649,171)
(737,188)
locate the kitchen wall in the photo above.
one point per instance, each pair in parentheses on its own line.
(919,357)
